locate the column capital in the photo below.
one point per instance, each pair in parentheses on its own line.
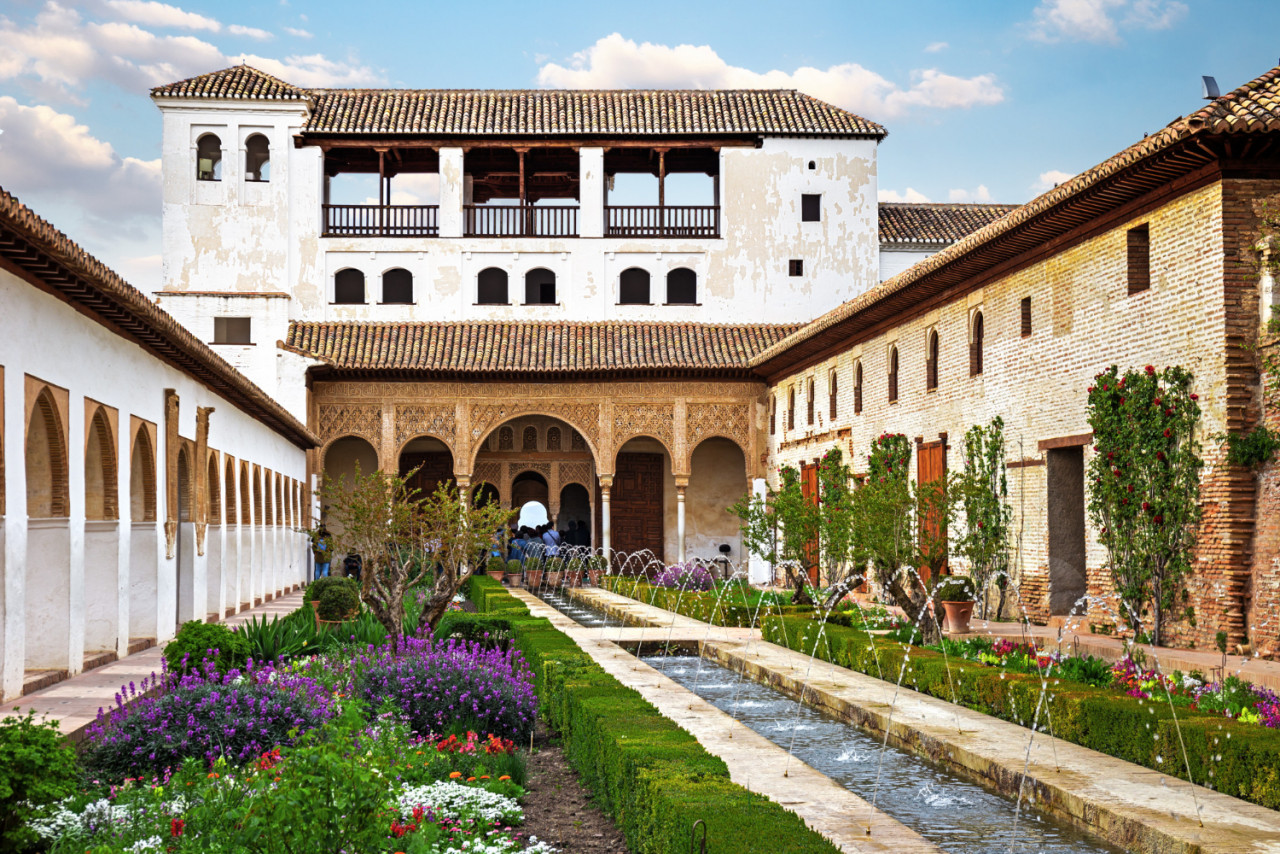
(606,481)
(682,483)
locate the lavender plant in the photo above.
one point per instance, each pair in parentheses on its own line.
(685,576)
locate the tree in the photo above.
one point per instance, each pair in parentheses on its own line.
(983,497)
(781,529)
(403,538)
(1145,486)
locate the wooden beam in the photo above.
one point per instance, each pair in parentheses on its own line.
(328,143)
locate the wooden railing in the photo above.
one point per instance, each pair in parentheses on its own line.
(520,221)
(668,221)
(382,220)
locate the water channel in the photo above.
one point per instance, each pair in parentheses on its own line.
(951,811)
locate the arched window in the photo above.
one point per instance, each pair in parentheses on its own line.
(975,346)
(893,374)
(540,287)
(791,408)
(553,438)
(506,439)
(931,361)
(491,287)
(100,478)
(142,479)
(857,389)
(633,287)
(809,402)
(215,494)
(348,287)
(257,158)
(209,158)
(529,439)
(682,287)
(831,396)
(229,490)
(397,287)
(46,460)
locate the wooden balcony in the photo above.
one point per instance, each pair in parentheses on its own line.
(662,221)
(520,221)
(381,220)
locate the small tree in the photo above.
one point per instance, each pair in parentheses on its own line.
(983,495)
(403,538)
(1145,485)
(781,528)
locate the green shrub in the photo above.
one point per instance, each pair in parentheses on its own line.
(495,564)
(338,603)
(281,638)
(37,767)
(197,640)
(317,587)
(953,588)
(491,630)
(363,631)
(513,566)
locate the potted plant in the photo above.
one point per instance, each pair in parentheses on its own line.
(573,573)
(513,572)
(555,571)
(955,592)
(595,568)
(533,572)
(495,568)
(338,604)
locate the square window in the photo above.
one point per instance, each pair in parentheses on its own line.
(231,330)
(795,267)
(810,207)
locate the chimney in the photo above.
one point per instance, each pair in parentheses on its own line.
(1210,92)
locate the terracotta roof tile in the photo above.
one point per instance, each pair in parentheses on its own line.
(1252,108)
(541,112)
(910,222)
(239,82)
(32,244)
(556,348)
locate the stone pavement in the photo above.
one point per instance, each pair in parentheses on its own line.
(754,762)
(74,702)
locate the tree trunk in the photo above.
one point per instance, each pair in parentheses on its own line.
(801,595)
(916,606)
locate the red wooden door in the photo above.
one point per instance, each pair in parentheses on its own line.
(635,507)
(809,489)
(931,467)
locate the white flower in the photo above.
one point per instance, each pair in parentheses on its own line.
(154,845)
(458,801)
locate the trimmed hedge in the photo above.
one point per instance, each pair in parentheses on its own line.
(650,775)
(1101,719)
(707,607)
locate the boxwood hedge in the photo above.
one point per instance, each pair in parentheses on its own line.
(719,610)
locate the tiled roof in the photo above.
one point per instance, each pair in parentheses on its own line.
(46,254)
(1252,108)
(910,222)
(240,81)
(529,348)
(544,112)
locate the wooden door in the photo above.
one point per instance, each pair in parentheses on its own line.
(931,466)
(809,489)
(434,468)
(635,507)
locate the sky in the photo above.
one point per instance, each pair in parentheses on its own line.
(984,100)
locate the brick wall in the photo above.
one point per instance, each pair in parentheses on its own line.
(1195,314)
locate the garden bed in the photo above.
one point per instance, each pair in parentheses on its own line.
(739,606)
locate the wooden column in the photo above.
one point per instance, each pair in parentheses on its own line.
(382,191)
(524,214)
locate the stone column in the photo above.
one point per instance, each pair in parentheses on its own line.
(451,192)
(606,533)
(591,180)
(682,483)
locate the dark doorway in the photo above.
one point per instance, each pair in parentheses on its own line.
(575,506)
(433,463)
(1068,580)
(635,512)
(529,486)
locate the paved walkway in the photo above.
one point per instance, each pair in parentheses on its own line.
(1136,807)
(75,702)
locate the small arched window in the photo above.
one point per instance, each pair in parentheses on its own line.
(553,438)
(791,408)
(257,158)
(491,287)
(540,287)
(809,402)
(813,165)
(506,439)
(529,439)
(348,287)
(931,361)
(633,287)
(893,374)
(682,287)
(832,391)
(209,158)
(857,389)
(397,287)
(975,346)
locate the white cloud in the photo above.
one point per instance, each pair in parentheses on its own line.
(935,47)
(1049,180)
(250,32)
(297,33)
(910,195)
(155,14)
(617,62)
(982,194)
(1100,21)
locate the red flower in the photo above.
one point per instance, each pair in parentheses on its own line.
(1122,401)
(1090,389)
(1158,519)
(1159,455)
(176,827)
(1156,402)
(1167,433)
(1111,455)
(1168,412)
(1150,370)
(1146,506)
(1131,487)
(1195,397)
(1104,387)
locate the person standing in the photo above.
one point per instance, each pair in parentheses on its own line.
(321,550)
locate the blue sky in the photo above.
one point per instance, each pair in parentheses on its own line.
(983,99)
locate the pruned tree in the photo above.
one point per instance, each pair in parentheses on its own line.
(983,496)
(1144,495)
(781,529)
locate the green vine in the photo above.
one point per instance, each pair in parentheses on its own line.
(1252,449)
(984,499)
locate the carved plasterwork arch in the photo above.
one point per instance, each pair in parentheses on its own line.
(730,421)
(487,418)
(653,420)
(336,420)
(437,420)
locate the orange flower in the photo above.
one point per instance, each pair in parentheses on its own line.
(471,779)
(504,777)
(212,776)
(485,777)
(455,775)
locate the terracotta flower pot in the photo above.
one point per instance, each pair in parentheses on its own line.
(593,576)
(573,578)
(958,614)
(497,576)
(553,578)
(534,577)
